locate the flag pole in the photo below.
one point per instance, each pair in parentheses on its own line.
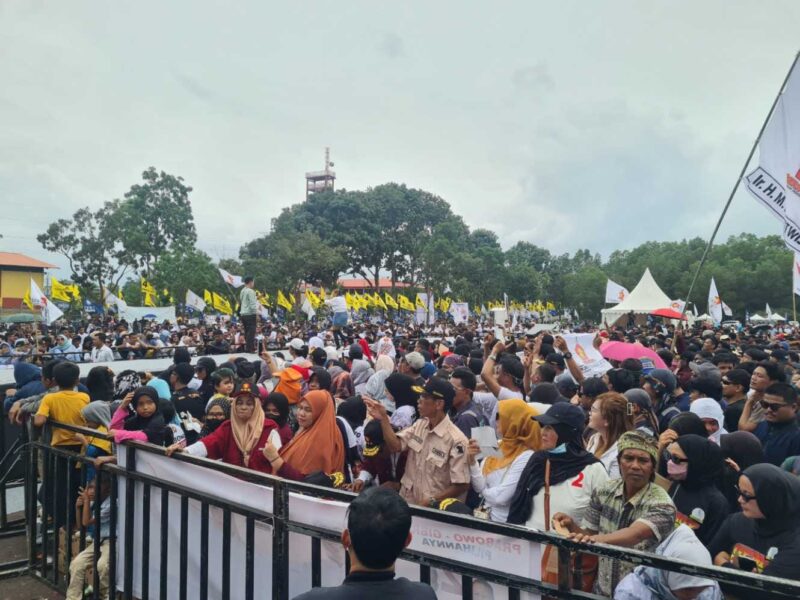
(734,190)
(794,306)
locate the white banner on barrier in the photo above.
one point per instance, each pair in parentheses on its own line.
(504,554)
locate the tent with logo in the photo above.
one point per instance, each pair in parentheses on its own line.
(643,299)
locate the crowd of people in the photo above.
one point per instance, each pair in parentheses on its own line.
(697,461)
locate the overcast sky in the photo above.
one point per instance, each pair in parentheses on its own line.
(568,124)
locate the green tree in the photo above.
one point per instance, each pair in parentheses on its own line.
(153,217)
(183,268)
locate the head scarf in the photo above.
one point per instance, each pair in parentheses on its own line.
(225,405)
(401,387)
(743,448)
(281,402)
(705,461)
(97,412)
(403,417)
(384,363)
(688,422)
(247,433)
(708,408)
(778,496)
(360,372)
(320,447)
(153,426)
(100,383)
(365,348)
(453,360)
(562,466)
(520,433)
(126,382)
(636,440)
(354,411)
(64,343)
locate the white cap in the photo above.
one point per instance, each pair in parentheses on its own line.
(296,343)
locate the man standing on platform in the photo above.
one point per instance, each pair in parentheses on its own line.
(248,311)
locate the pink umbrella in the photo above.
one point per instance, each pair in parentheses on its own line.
(622,350)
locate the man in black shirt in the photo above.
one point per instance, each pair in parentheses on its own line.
(735,384)
(378,528)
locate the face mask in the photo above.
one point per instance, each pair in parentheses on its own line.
(212,424)
(677,472)
(271,415)
(560,449)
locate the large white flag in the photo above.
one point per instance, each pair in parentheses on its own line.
(769,311)
(110,299)
(307,308)
(50,312)
(677,305)
(776,181)
(726,310)
(615,293)
(714,302)
(232,280)
(194,301)
(796,274)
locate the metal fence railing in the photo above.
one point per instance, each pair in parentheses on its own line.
(140,510)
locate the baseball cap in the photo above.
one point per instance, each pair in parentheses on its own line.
(439,388)
(296,344)
(415,360)
(665,377)
(565,414)
(554,358)
(247,389)
(737,377)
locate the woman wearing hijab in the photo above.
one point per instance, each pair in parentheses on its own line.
(318,444)
(360,372)
(100,383)
(683,424)
(240,440)
(147,424)
(644,419)
(710,412)
(66,349)
(402,390)
(276,407)
(375,387)
(741,449)
(495,480)
(559,478)
(97,415)
(350,417)
(694,465)
(217,412)
(766,534)
(650,583)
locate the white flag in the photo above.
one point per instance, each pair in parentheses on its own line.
(194,301)
(677,305)
(307,308)
(263,312)
(714,302)
(796,274)
(776,181)
(615,293)
(460,312)
(110,299)
(769,311)
(232,280)
(726,310)
(50,312)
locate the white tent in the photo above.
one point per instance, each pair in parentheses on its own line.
(704,317)
(757,318)
(643,299)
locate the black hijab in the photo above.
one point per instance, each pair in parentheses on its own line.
(401,387)
(354,411)
(562,467)
(688,422)
(743,448)
(705,461)
(778,496)
(323,378)
(153,426)
(281,402)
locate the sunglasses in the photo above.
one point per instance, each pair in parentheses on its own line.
(773,406)
(743,495)
(676,459)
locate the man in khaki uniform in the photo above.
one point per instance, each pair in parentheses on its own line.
(437,466)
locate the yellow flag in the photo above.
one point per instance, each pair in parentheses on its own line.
(148,299)
(313,299)
(119,294)
(208,298)
(221,304)
(378,301)
(283,301)
(146,287)
(59,291)
(550,305)
(420,303)
(404,302)
(76,293)
(389,301)
(27,299)
(444,304)
(322,293)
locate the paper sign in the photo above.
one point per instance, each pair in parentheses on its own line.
(487,440)
(589,359)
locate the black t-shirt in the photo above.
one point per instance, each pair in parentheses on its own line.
(188,403)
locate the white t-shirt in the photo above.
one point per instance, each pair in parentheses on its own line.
(609,457)
(488,402)
(570,497)
(498,487)
(102,354)
(338,304)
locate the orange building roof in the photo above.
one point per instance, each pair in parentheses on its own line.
(15,259)
(357,284)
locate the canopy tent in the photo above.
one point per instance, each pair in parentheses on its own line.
(703,317)
(643,299)
(757,318)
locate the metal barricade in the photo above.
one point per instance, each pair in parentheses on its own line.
(139,517)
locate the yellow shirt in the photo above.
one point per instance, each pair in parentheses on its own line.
(64,406)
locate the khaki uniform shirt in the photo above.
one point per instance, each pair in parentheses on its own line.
(437,458)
